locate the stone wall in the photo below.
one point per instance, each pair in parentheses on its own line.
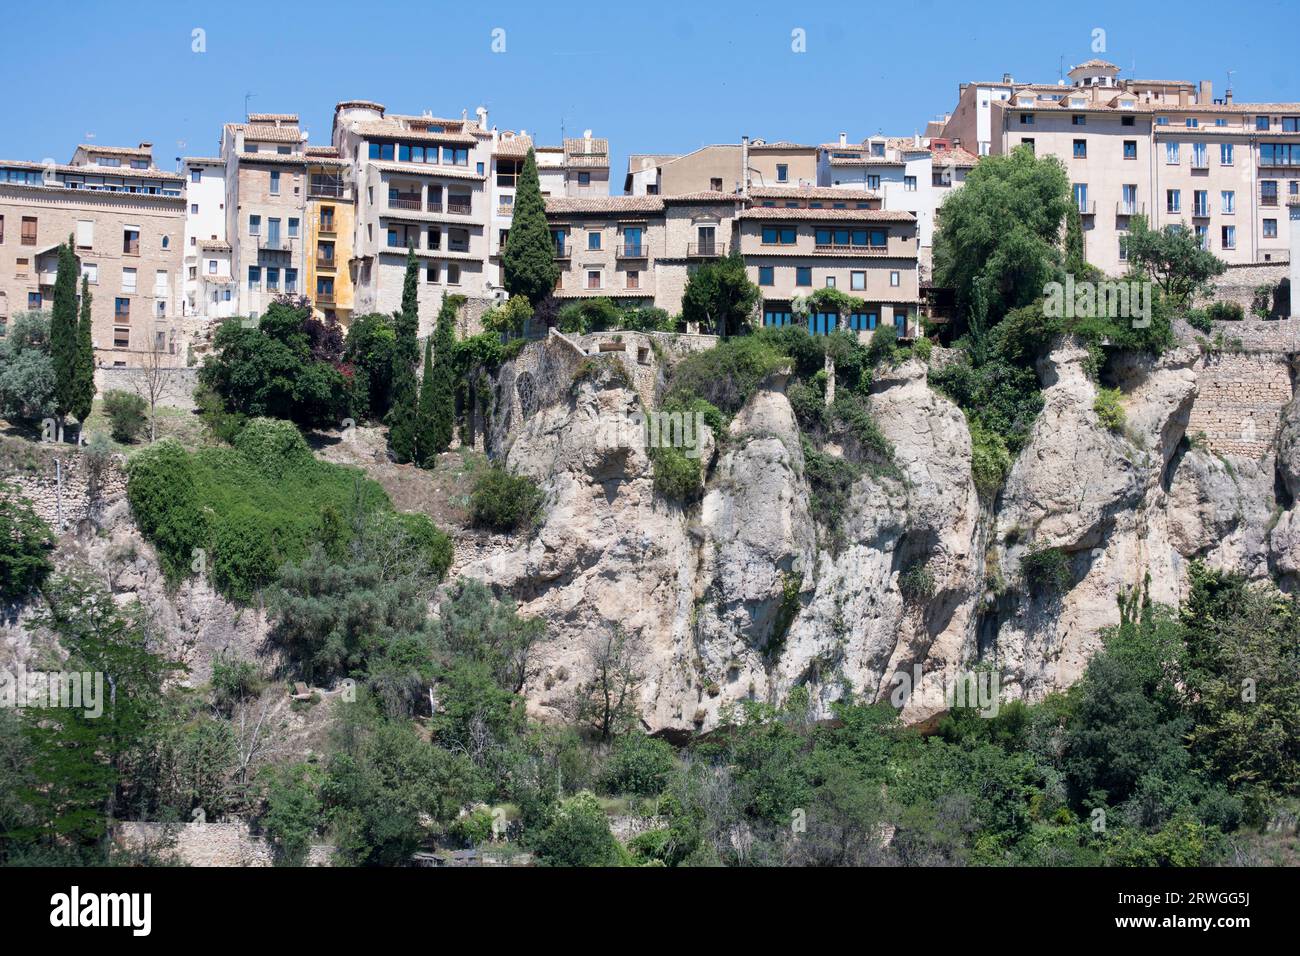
(34,471)
(1239,282)
(229,843)
(176,384)
(1239,401)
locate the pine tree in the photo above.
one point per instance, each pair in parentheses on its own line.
(403,417)
(83,392)
(528,259)
(63,332)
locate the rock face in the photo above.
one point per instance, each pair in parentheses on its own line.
(1284,539)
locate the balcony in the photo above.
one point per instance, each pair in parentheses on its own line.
(840,248)
(326,262)
(324,298)
(1087,207)
(705,250)
(459,207)
(409,201)
(326,188)
(1134,208)
(1267,199)
(327,227)
(563,252)
(636,250)
(1201,211)
(1200,162)
(1293,200)
(275,243)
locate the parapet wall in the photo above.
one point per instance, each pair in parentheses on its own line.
(228,843)
(1239,401)
(33,470)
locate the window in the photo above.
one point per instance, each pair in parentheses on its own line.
(121,337)
(34,301)
(254,277)
(1162,120)
(1227,202)
(766,275)
(1127,121)
(1291,124)
(1081,197)
(873,181)
(128,280)
(254,225)
(85,233)
(122,308)
(782,173)
(1027,141)
(1261,122)
(1123,248)
(1192,122)
(715,184)
(291,280)
(458,156)
(584,179)
(1130,149)
(275,182)
(1225,154)
(895,278)
(593,241)
(830,282)
(1200,203)
(196,175)
(90,272)
(212,267)
(777,317)
(272,279)
(20,267)
(1171,154)
(1079,119)
(29,231)
(160,282)
(1230,237)
(1026,119)
(431,272)
(1080,149)
(478,167)
(779,235)
(1279,154)
(803,275)
(1200,156)
(593,278)
(857,280)
(1270,228)
(633,279)
(1268,192)
(293,228)
(194,209)
(1173,200)
(909,184)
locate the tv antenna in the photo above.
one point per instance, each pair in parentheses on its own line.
(247,97)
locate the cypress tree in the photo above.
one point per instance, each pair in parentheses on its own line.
(426,441)
(528,259)
(403,417)
(442,381)
(83,392)
(1075,263)
(63,332)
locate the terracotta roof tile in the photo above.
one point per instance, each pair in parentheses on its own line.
(562,206)
(850,215)
(809,192)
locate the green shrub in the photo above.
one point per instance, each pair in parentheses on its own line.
(433,546)
(504,502)
(1046,570)
(883,347)
(676,476)
(579,835)
(638,764)
(1225,312)
(990,461)
(917,583)
(648,319)
(273,446)
(726,375)
(1108,408)
(25,545)
(162,488)
(923,349)
(248,547)
(233,679)
(222,424)
(126,415)
(1199,319)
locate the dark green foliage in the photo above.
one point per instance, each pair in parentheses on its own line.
(369,353)
(404,417)
(648,319)
(1047,570)
(917,583)
(25,546)
(474,626)
(27,380)
(163,489)
(677,477)
(579,835)
(639,765)
(287,366)
(1000,239)
(504,502)
(589,315)
(293,811)
(990,459)
(126,415)
(64,344)
(528,259)
(1174,258)
(437,415)
(83,376)
(725,376)
(720,297)
(1224,312)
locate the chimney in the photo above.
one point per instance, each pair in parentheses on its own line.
(1007,78)
(744,165)
(1227,96)
(481,113)
(1205,97)
(1183,96)
(844,139)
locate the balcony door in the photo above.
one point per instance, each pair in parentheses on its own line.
(707,236)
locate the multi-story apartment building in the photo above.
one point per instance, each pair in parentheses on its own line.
(1166,149)
(126,219)
(585,166)
(640,250)
(330,231)
(209,277)
(421,184)
(266,203)
(717,168)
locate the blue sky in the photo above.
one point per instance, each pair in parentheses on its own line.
(653,77)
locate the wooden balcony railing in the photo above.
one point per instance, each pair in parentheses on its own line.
(850,250)
(324,298)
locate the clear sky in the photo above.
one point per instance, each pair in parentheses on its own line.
(653,75)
